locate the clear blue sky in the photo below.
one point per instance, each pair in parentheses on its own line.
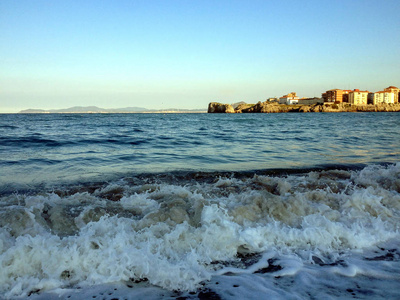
(185,54)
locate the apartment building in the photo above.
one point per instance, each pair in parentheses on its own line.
(336,96)
(395,91)
(384,97)
(358,97)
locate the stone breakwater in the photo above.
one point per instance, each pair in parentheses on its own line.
(267,107)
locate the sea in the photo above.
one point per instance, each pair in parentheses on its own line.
(200,206)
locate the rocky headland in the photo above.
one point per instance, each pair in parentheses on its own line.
(268,107)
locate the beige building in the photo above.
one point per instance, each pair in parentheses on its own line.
(383,97)
(358,97)
(395,91)
(290,98)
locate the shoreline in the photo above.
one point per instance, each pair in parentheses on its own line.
(268,107)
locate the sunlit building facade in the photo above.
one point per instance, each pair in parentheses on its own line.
(336,96)
(384,97)
(395,91)
(358,97)
(290,98)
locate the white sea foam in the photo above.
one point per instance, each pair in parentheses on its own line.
(307,229)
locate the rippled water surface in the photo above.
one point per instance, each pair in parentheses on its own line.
(47,147)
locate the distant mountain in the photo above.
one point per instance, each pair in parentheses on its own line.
(95,109)
(32,111)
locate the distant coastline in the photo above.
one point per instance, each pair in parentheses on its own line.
(99,110)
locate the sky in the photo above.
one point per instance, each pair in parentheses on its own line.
(185,54)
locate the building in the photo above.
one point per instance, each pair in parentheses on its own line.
(290,98)
(358,97)
(370,98)
(311,101)
(395,91)
(383,97)
(345,96)
(336,96)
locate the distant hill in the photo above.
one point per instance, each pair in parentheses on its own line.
(95,109)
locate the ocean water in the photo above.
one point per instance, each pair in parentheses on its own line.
(200,206)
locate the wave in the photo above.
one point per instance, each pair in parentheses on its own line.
(200,231)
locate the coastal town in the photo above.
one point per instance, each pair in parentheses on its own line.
(389,95)
(334,100)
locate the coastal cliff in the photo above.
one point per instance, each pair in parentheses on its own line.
(268,107)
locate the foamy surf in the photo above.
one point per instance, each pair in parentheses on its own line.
(322,234)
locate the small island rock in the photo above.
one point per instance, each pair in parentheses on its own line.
(216,107)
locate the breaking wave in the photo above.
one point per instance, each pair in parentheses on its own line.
(240,234)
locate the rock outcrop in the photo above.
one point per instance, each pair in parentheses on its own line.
(241,107)
(347,107)
(260,107)
(268,107)
(215,107)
